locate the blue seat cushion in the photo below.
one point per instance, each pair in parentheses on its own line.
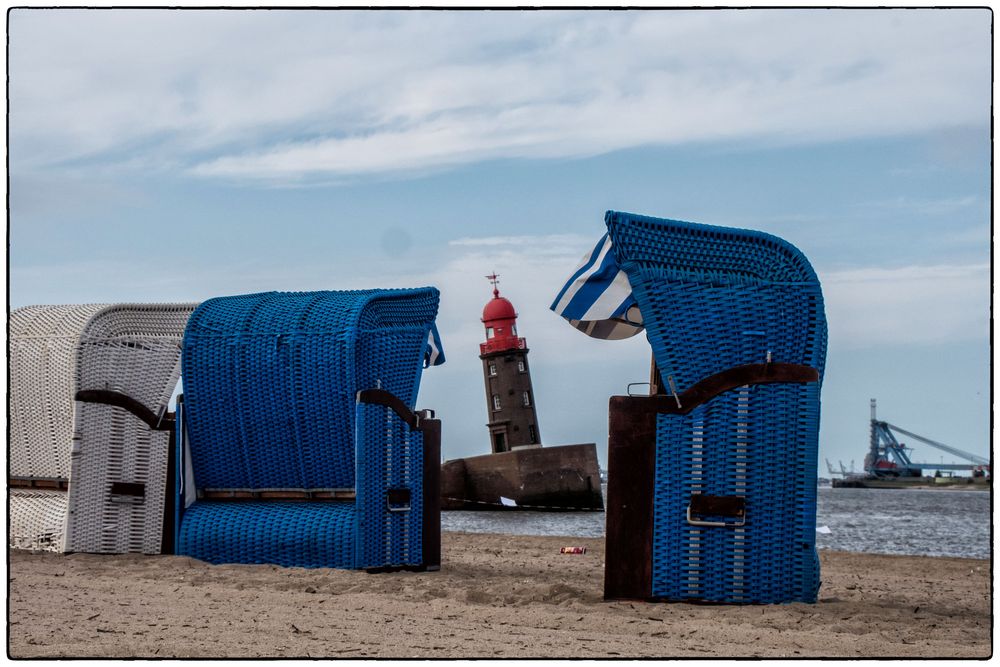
(287,533)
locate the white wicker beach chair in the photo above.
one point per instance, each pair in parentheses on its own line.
(90,475)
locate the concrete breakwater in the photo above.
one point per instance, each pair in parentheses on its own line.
(559,478)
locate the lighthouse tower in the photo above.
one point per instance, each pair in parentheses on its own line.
(510,402)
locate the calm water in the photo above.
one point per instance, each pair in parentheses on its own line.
(887,521)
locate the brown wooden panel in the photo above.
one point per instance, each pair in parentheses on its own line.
(628,566)
(431,429)
(170,502)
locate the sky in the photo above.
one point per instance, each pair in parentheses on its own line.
(177,155)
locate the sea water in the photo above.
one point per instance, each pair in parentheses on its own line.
(922,522)
(916,522)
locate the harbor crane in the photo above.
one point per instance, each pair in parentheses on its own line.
(843,472)
(887,456)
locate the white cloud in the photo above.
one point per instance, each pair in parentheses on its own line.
(913,304)
(286,96)
(531,270)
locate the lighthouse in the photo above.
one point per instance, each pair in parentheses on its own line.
(518,473)
(510,401)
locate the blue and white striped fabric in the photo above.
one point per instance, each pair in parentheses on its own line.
(434,352)
(598,299)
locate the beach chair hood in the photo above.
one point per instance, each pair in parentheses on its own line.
(273,373)
(709,298)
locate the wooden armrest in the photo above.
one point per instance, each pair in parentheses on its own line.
(709,387)
(390,400)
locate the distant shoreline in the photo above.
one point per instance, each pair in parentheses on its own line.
(922,486)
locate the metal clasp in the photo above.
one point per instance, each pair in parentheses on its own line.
(628,389)
(673,390)
(723,524)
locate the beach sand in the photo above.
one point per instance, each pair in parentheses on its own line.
(496,596)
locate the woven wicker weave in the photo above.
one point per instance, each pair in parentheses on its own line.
(56,351)
(37,519)
(712,299)
(271,383)
(44,342)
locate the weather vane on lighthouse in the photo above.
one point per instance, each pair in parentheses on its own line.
(494,278)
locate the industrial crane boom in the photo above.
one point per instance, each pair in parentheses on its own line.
(951,450)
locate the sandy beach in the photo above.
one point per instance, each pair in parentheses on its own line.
(496,596)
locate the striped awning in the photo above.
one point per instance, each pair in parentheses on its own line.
(434,352)
(597,299)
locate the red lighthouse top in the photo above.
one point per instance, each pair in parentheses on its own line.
(500,320)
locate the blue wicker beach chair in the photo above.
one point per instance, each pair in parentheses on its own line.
(300,446)
(712,477)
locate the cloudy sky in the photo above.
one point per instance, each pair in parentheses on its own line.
(161,155)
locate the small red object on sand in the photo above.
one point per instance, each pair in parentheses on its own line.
(573,550)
